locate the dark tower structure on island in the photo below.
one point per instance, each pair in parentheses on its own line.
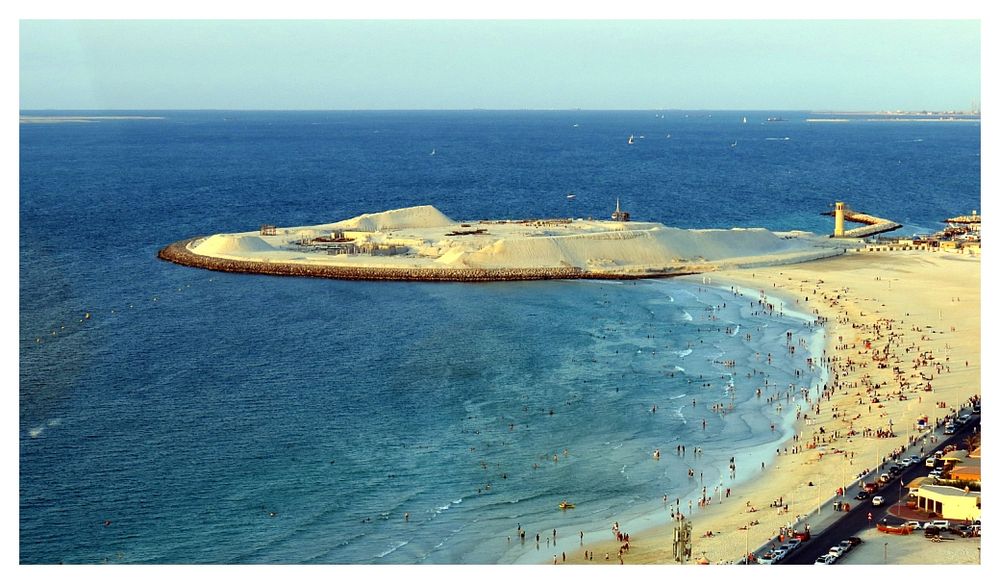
(619,215)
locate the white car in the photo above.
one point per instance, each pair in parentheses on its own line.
(914,524)
(931,460)
(825,559)
(836,551)
(878,500)
(940,523)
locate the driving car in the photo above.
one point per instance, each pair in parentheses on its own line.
(878,500)
(861,496)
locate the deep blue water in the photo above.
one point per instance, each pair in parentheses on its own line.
(225,418)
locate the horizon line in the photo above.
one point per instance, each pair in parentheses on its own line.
(527,109)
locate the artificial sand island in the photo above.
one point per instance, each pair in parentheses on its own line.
(421,243)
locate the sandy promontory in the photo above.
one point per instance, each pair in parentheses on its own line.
(421,243)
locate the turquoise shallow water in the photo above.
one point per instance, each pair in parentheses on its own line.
(198,417)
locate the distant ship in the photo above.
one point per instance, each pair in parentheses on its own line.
(744,119)
(778,119)
(631,139)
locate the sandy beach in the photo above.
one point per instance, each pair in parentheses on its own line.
(918,314)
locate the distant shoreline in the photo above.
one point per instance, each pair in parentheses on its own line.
(81,119)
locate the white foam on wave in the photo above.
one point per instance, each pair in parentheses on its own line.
(684,353)
(687,316)
(36,432)
(678,368)
(736,331)
(395,547)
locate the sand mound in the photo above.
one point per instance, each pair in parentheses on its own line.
(661,246)
(223,244)
(424,216)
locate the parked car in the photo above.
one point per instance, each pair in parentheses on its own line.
(906,462)
(934,474)
(914,524)
(949,429)
(847,545)
(792,544)
(878,500)
(855,541)
(825,559)
(964,530)
(836,551)
(931,461)
(767,558)
(964,418)
(975,408)
(914,459)
(939,523)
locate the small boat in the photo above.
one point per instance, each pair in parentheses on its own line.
(565,505)
(733,145)
(570,196)
(433,151)
(631,139)
(744,119)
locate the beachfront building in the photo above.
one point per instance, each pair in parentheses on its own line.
(950,502)
(914,486)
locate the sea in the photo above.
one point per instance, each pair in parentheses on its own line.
(171,415)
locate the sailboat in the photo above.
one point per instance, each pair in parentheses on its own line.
(744,119)
(433,151)
(631,139)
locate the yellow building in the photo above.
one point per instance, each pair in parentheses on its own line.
(949,502)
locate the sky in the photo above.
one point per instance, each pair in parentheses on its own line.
(855,65)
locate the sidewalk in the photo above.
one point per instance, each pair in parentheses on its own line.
(819,520)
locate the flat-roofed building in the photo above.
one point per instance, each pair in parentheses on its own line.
(950,502)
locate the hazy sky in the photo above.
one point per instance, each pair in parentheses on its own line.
(821,64)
